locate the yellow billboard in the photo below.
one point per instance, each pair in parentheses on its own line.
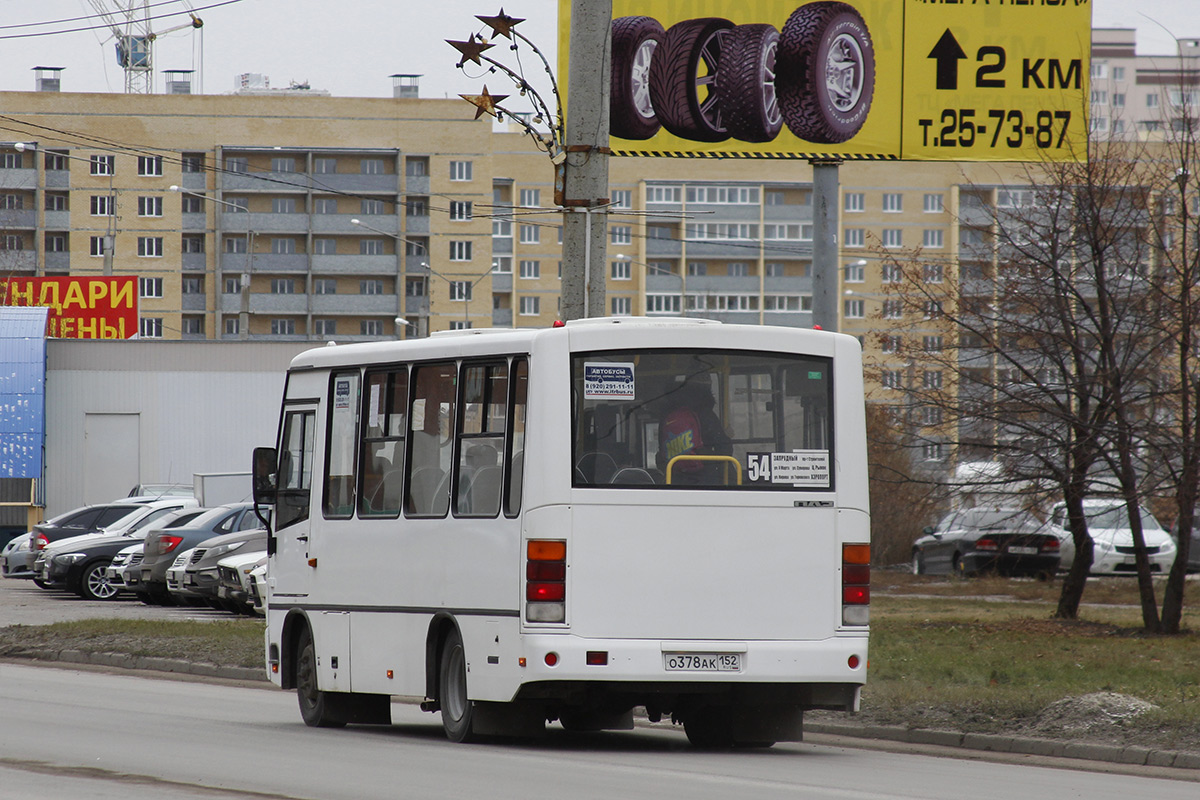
(865,79)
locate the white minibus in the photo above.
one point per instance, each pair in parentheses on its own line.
(571,523)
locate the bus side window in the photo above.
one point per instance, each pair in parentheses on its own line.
(516,431)
(431,427)
(481,439)
(295,468)
(341,443)
(382,452)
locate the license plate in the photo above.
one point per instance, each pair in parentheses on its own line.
(1023,551)
(702,662)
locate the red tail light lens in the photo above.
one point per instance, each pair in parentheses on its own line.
(986,544)
(41,542)
(168,543)
(856,584)
(1051,545)
(546,580)
(548,592)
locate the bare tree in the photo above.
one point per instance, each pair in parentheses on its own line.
(901,499)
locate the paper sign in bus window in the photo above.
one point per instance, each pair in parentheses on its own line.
(801,468)
(608,381)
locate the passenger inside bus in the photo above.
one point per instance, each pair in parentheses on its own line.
(690,427)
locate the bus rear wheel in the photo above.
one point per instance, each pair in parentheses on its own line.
(313,707)
(458,711)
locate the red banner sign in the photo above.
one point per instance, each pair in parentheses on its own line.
(80,308)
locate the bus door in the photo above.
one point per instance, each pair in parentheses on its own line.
(290,572)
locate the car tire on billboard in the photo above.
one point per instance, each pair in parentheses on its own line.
(745,83)
(631,112)
(826,69)
(682,73)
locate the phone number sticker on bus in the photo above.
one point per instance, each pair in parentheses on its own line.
(608,381)
(702,662)
(799,468)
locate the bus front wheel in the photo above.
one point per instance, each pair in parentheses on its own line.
(458,711)
(313,706)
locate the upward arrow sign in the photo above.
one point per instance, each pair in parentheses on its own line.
(947,53)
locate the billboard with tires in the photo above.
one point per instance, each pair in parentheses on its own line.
(887,79)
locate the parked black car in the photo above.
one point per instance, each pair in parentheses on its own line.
(161,547)
(970,541)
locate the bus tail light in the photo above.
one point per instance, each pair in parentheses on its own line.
(856,584)
(545,580)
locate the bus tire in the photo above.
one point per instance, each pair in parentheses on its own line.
(458,711)
(710,727)
(314,709)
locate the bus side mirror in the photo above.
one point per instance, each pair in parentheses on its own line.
(264,476)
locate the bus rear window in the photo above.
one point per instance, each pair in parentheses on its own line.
(689,419)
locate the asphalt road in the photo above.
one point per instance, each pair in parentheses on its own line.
(68,733)
(22,603)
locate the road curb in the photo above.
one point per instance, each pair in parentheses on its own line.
(998,743)
(1021,745)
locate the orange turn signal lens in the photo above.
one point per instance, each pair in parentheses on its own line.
(544,550)
(856,554)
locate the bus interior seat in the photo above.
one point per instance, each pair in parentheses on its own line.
(633,475)
(425,481)
(391,489)
(485,490)
(596,467)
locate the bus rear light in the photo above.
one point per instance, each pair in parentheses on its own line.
(853,661)
(551,659)
(546,581)
(597,658)
(856,584)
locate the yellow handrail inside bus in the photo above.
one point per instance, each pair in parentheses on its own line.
(727,459)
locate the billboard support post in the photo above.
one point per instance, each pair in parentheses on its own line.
(825,244)
(585,184)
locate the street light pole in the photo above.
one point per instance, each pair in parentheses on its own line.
(244,312)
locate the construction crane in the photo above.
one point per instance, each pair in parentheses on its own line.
(130,23)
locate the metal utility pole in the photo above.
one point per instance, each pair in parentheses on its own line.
(825,244)
(585,171)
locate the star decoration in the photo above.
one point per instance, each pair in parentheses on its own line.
(470,49)
(501,24)
(484,103)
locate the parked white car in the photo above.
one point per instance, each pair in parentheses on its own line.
(1113,552)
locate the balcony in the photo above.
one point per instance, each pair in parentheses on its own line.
(196,262)
(357,184)
(18,178)
(265,182)
(194,222)
(416,306)
(260,223)
(280,262)
(278,303)
(340,223)
(58,220)
(58,262)
(787,213)
(502,282)
(194,181)
(192,302)
(502,318)
(502,245)
(58,179)
(18,218)
(664,248)
(355,304)
(18,261)
(416,184)
(352,265)
(722,284)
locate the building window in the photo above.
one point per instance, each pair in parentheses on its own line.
(891,273)
(893,237)
(622,270)
(324,286)
(191,204)
(934,238)
(723,195)
(622,234)
(854,202)
(890,344)
(193,326)
(460,251)
(931,379)
(893,202)
(933,309)
(325,247)
(530,306)
(283,205)
(235,245)
(502,265)
(416,166)
(283,327)
(1152,100)
(192,163)
(283,164)
(622,198)
(414,287)
(283,286)
(102,205)
(854,309)
(460,291)
(933,273)
(891,379)
(103,165)
(96,245)
(1118,73)
(695,268)
(662,194)
(502,228)
(371,327)
(233,286)
(283,247)
(12,202)
(150,166)
(776,198)
(738,269)
(531,198)
(56,202)
(774,269)
(460,170)
(459,325)
(55,162)
(622,306)
(370,207)
(150,327)
(931,344)
(856,273)
(370,247)
(237,164)
(416,246)
(934,204)
(1118,100)
(56,243)
(893,309)
(240,205)
(324,166)
(150,287)
(932,451)
(371,166)
(373,287)
(151,206)
(231,326)
(531,234)
(460,211)
(854,237)
(531,269)
(12,242)
(150,246)
(325,327)
(192,285)
(325,205)
(662,304)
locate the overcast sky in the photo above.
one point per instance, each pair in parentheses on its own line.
(351,47)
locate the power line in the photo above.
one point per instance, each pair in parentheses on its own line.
(108,27)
